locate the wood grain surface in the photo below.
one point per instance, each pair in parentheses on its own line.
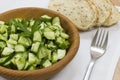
(117,71)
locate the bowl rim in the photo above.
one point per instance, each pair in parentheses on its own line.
(63,61)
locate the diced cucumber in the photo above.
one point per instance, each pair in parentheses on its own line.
(2,44)
(35,47)
(64,35)
(61,53)
(19,48)
(48,53)
(42,25)
(47,29)
(10,45)
(14,36)
(32,67)
(11,41)
(13,29)
(24,41)
(54,57)
(49,35)
(26,65)
(57,34)
(32,59)
(56,20)
(7,63)
(59,40)
(45,18)
(7,51)
(51,45)
(37,36)
(42,52)
(3,29)
(52,27)
(20,60)
(20,63)
(3,59)
(32,22)
(3,38)
(29,44)
(48,23)
(47,63)
(5,35)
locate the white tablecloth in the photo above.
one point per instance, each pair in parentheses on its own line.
(75,70)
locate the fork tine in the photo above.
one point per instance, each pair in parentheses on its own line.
(105,41)
(102,38)
(95,38)
(99,37)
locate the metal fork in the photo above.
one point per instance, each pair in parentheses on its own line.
(98,48)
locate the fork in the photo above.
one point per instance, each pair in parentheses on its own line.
(98,49)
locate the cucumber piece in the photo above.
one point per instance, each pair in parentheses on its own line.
(5,35)
(32,59)
(10,45)
(2,44)
(64,35)
(3,38)
(32,67)
(62,43)
(37,36)
(51,45)
(56,20)
(48,23)
(20,63)
(42,52)
(19,48)
(11,41)
(52,27)
(14,36)
(49,35)
(26,65)
(35,47)
(7,63)
(13,29)
(7,51)
(42,25)
(3,59)
(46,63)
(32,22)
(19,60)
(3,29)
(57,33)
(24,41)
(61,53)
(45,18)
(54,57)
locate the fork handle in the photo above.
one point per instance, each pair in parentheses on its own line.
(89,70)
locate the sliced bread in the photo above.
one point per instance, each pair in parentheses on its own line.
(104,11)
(114,17)
(80,12)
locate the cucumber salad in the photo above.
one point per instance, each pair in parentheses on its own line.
(30,44)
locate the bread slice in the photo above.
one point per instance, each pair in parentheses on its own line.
(81,12)
(114,18)
(104,11)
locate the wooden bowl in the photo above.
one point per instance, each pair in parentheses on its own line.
(45,73)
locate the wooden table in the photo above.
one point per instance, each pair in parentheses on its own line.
(117,71)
